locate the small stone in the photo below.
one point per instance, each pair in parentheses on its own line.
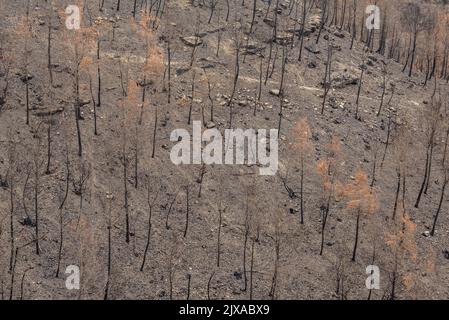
(311,65)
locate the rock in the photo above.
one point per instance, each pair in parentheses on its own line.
(207,66)
(182,70)
(192,41)
(372,58)
(311,47)
(333,103)
(336,47)
(210,125)
(426,233)
(26,221)
(344,76)
(269,21)
(274,92)
(311,65)
(293,211)
(339,34)
(252,48)
(25,78)
(446,254)
(284,38)
(84,102)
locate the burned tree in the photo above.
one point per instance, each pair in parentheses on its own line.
(328,170)
(361,199)
(304,146)
(415,20)
(327,81)
(431,123)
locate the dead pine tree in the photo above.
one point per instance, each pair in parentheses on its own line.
(170,208)
(132,119)
(323,5)
(384,86)
(444,168)
(201,178)
(302,144)
(37,164)
(237,39)
(124,159)
(67,173)
(153,69)
(187,211)
(327,81)
(49,43)
(359,89)
(362,200)
(212,6)
(281,87)
(354,24)
(277,249)
(387,140)
(210,88)
(196,42)
(61,234)
(248,227)
(151,202)
(303,26)
(221,210)
(251,270)
(415,20)
(171,268)
(51,123)
(12,176)
(431,122)
(154,61)
(24,32)
(169,57)
(106,204)
(192,99)
(80,43)
(401,241)
(5,68)
(259,91)
(402,150)
(328,170)
(375,152)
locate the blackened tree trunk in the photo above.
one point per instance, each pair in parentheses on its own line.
(354,252)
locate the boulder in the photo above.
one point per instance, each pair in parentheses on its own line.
(311,47)
(269,21)
(192,41)
(284,38)
(344,75)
